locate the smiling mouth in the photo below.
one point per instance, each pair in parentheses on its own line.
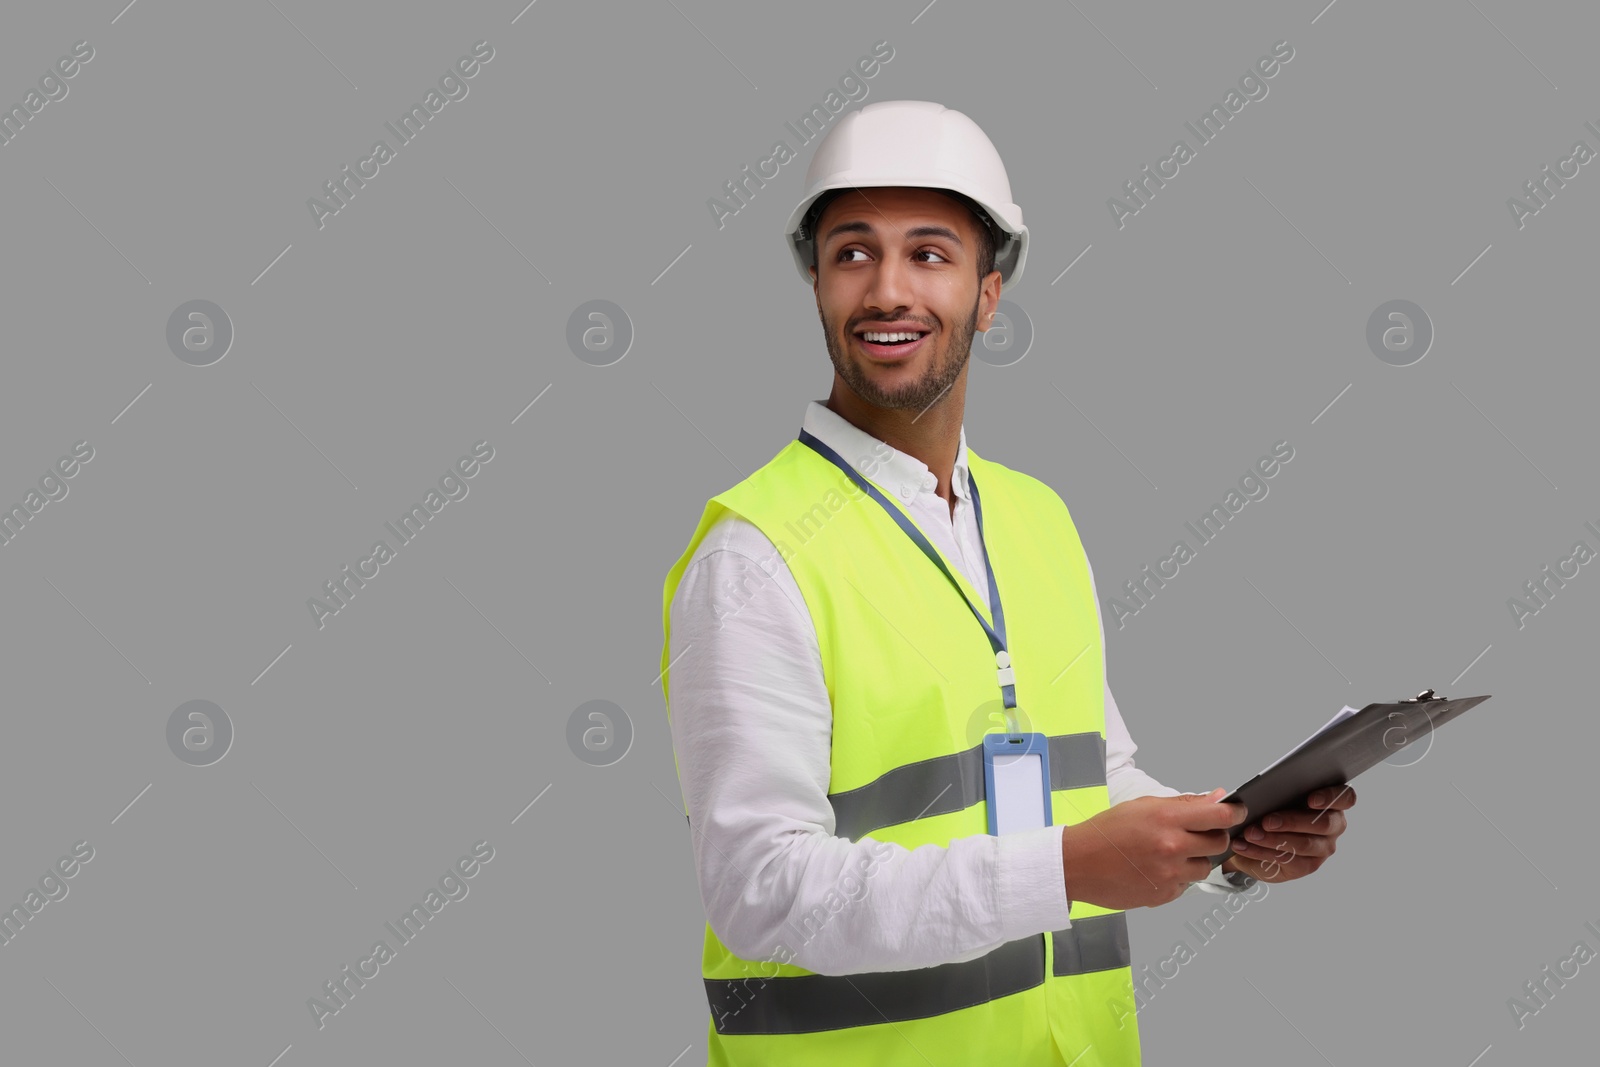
(897,344)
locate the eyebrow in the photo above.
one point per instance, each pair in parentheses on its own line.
(862,226)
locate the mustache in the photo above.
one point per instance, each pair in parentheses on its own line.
(869,322)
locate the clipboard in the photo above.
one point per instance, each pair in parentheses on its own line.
(1336,754)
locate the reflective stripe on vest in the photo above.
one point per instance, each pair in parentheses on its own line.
(943,784)
(815,1002)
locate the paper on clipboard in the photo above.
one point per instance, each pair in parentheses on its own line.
(1343,714)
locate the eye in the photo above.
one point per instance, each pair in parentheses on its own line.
(848,251)
(931,252)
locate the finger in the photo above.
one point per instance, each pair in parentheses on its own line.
(1208,843)
(1276,869)
(1286,846)
(1303,820)
(1340,797)
(1212,816)
(1272,867)
(1269,838)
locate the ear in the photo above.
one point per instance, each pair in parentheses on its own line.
(988,300)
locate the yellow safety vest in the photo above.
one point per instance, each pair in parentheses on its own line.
(908,669)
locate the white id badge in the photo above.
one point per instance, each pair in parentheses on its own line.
(1016,780)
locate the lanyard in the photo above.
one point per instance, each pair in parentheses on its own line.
(997,633)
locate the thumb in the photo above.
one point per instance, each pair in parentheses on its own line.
(1215,796)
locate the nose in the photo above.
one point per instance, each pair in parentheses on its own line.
(891,285)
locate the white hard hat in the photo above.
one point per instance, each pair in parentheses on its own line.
(913,143)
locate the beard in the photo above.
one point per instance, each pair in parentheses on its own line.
(943,368)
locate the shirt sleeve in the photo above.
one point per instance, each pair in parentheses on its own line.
(751,732)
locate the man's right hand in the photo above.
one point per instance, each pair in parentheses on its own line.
(1144,852)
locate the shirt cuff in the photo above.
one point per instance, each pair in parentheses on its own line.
(1030,883)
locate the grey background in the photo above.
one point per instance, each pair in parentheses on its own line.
(428,714)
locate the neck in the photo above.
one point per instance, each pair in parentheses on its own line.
(932,436)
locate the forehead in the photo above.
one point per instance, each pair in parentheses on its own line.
(896,208)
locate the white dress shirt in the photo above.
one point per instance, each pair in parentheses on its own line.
(751,733)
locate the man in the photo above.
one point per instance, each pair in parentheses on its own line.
(843,628)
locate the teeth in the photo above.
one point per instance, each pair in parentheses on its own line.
(884,338)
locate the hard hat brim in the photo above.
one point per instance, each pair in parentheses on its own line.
(1009,258)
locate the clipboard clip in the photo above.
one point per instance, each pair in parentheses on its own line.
(1420,698)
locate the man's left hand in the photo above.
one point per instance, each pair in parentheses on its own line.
(1292,842)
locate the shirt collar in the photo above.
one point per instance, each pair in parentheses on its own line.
(902,474)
